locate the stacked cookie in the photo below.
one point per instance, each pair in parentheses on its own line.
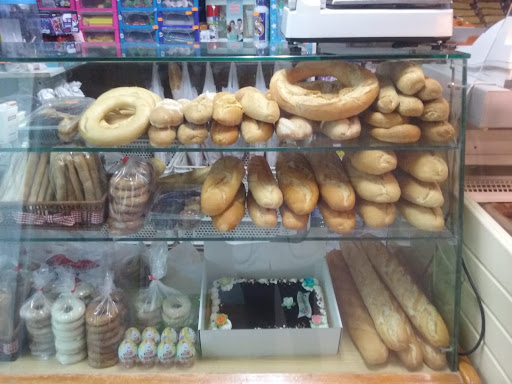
(38,320)
(104,333)
(177,311)
(147,314)
(68,329)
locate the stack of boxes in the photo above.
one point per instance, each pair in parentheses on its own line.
(178,27)
(138,27)
(58,18)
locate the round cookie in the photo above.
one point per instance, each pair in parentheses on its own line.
(70,359)
(67,310)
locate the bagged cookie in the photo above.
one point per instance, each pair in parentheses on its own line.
(130,192)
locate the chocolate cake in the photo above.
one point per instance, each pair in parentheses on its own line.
(267,303)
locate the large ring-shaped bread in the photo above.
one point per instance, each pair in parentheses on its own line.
(360,89)
(150,97)
(121,133)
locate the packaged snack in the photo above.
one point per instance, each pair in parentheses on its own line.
(151,333)
(147,353)
(188,334)
(169,334)
(133,334)
(166,353)
(36,312)
(185,353)
(127,353)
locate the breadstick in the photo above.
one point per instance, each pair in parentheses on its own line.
(44,185)
(387,101)
(38,177)
(57,176)
(388,323)
(358,321)
(50,194)
(95,177)
(416,305)
(73,177)
(33,159)
(85,177)
(70,191)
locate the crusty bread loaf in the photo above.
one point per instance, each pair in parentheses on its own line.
(377,188)
(432,356)
(339,222)
(199,110)
(437,131)
(228,219)
(427,219)
(384,120)
(291,220)
(333,182)
(424,165)
(254,131)
(410,106)
(226,109)
(377,299)
(189,133)
(297,182)
(407,75)
(376,215)
(261,217)
(374,162)
(262,184)
(354,313)
(405,133)
(387,101)
(221,185)
(412,356)
(257,106)
(167,113)
(223,134)
(436,110)
(294,128)
(161,137)
(432,90)
(416,305)
(426,194)
(344,129)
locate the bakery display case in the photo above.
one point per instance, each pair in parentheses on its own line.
(233,218)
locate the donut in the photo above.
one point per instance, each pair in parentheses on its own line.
(118,134)
(148,96)
(67,310)
(176,306)
(71,346)
(67,359)
(35,313)
(68,335)
(361,88)
(68,326)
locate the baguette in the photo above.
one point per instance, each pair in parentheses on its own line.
(377,188)
(387,101)
(376,215)
(291,220)
(28,177)
(384,120)
(436,110)
(388,322)
(44,185)
(424,165)
(423,193)
(432,90)
(261,217)
(297,182)
(416,305)
(374,162)
(85,176)
(221,185)
(404,133)
(339,222)
(412,356)
(427,219)
(73,177)
(354,313)
(42,166)
(333,182)
(410,106)
(262,184)
(228,219)
(432,356)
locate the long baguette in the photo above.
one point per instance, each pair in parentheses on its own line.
(262,184)
(432,356)
(33,160)
(388,322)
(38,176)
(44,185)
(355,315)
(416,305)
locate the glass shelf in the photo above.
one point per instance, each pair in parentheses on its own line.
(218,51)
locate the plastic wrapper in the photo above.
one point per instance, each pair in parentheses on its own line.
(104,326)
(232,85)
(130,193)
(36,312)
(159,304)
(177,210)
(68,320)
(156,84)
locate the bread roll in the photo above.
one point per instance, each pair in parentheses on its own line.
(221,185)
(339,222)
(226,109)
(161,137)
(384,120)
(410,106)
(254,131)
(423,193)
(291,220)
(223,134)
(297,182)
(407,75)
(262,184)
(432,356)
(261,217)
(344,129)
(355,316)
(405,133)
(387,101)
(377,188)
(424,165)
(167,113)
(228,219)
(437,131)
(436,110)
(333,182)
(189,133)
(415,304)
(432,90)
(294,128)
(376,215)
(199,110)
(374,162)
(242,91)
(377,299)
(427,219)
(257,106)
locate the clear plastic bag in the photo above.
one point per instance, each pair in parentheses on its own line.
(156,84)
(130,192)
(36,312)
(232,86)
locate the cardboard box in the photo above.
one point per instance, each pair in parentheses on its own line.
(266,342)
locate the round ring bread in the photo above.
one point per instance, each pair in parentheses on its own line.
(361,89)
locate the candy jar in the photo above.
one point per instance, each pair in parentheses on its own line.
(133,334)
(127,353)
(189,334)
(169,334)
(166,353)
(185,353)
(147,353)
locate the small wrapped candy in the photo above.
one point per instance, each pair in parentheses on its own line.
(166,353)
(185,353)
(127,353)
(147,353)
(169,334)
(189,334)
(133,334)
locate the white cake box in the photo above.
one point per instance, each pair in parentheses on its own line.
(255,260)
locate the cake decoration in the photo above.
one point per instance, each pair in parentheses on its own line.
(288,302)
(304,306)
(309,283)
(318,321)
(221,322)
(226,283)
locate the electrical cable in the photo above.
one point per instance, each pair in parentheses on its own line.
(482,314)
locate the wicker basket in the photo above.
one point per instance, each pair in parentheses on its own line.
(64,214)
